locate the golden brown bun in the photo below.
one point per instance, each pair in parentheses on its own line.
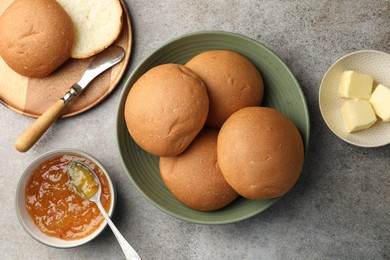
(232,82)
(36,37)
(166,108)
(260,152)
(97,25)
(194,176)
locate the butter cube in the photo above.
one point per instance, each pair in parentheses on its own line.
(355,85)
(357,115)
(380,101)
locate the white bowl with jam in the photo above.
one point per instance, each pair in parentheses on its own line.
(49,209)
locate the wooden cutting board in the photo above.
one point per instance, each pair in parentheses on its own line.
(32,96)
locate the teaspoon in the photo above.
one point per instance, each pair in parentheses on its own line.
(87,185)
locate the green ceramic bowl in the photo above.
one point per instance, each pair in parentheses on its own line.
(282,92)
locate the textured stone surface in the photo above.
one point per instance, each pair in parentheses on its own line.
(339,208)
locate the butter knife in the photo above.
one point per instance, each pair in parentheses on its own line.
(103,61)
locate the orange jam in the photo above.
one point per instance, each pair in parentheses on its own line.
(82,180)
(54,206)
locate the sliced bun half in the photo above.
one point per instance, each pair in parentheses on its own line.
(97,24)
(36,37)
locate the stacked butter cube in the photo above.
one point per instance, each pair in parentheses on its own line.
(363,105)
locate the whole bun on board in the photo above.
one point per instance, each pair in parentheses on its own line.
(97,25)
(194,176)
(165,109)
(260,152)
(232,82)
(36,37)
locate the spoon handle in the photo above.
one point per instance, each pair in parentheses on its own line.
(128,250)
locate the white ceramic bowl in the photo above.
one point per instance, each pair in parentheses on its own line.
(371,62)
(25,218)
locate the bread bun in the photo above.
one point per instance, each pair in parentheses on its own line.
(232,82)
(260,152)
(166,108)
(36,37)
(97,25)
(194,176)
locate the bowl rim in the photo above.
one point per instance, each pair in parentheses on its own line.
(27,173)
(320,95)
(126,89)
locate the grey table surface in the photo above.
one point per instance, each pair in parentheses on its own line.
(340,207)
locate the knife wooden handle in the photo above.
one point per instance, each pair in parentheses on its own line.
(32,133)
